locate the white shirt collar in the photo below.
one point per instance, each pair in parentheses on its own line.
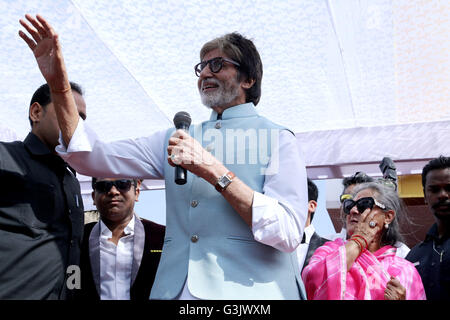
(309,231)
(129,229)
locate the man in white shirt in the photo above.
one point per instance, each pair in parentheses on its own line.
(121,252)
(311,240)
(232,227)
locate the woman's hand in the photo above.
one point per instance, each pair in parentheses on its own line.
(364,229)
(394,290)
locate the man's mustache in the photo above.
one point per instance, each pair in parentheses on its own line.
(444,203)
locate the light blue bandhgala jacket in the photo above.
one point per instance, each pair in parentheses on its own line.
(206,238)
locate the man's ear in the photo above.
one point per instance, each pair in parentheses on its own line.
(35,112)
(138,189)
(247,84)
(93,197)
(312,205)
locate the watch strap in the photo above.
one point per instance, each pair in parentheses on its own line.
(226,179)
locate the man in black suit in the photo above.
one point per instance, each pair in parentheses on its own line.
(311,240)
(41,209)
(121,252)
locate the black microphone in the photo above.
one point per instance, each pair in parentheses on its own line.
(182,120)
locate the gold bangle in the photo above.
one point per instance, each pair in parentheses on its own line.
(61,91)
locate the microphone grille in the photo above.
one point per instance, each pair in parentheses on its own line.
(182,117)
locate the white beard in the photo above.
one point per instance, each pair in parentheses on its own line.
(222,96)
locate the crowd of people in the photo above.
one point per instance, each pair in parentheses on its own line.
(240,227)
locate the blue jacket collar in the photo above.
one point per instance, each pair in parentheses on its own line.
(239,111)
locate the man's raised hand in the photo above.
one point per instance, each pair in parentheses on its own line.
(47,51)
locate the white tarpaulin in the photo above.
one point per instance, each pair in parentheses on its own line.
(356,80)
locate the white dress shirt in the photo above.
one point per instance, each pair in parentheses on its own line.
(116,263)
(278,213)
(402,249)
(302,248)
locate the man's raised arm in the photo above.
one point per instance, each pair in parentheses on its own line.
(47,50)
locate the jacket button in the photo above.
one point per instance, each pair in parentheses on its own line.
(194,238)
(194,203)
(218,125)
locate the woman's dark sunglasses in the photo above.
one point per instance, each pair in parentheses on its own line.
(104,186)
(215,65)
(361,204)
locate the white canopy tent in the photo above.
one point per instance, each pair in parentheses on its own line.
(355,80)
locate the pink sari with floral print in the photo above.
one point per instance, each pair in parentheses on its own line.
(326,276)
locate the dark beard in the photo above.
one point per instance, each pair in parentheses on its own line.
(445,216)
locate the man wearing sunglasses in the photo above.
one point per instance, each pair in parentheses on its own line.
(432,256)
(121,252)
(232,227)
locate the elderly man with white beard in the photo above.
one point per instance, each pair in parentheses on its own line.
(232,229)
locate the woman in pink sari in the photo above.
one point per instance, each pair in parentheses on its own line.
(365,266)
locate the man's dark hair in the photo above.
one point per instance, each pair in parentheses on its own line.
(43,97)
(357,178)
(243,51)
(313,191)
(435,164)
(313,194)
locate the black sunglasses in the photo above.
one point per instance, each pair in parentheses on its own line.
(361,204)
(215,65)
(123,185)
